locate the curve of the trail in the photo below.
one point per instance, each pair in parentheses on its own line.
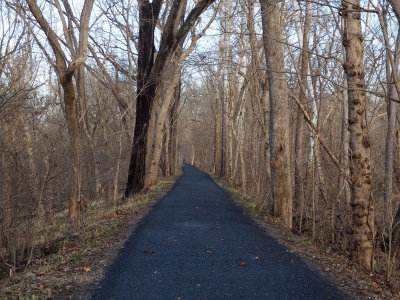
(197,244)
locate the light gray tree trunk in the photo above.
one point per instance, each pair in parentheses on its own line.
(345,140)
(156,126)
(281,179)
(300,122)
(390,137)
(360,166)
(218,155)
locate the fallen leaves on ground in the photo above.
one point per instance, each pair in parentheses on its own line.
(78,257)
(350,278)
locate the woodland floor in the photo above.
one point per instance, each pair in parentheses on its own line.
(85,255)
(74,258)
(352,280)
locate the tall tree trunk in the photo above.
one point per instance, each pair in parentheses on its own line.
(390,137)
(240,149)
(265,136)
(389,154)
(395,229)
(10,214)
(90,180)
(243,168)
(150,71)
(345,142)
(360,167)
(173,130)
(34,178)
(6,198)
(65,73)
(164,157)
(117,168)
(345,133)
(148,15)
(281,182)
(74,143)
(156,125)
(229,148)
(218,155)
(226,86)
(220,111)
(300,122)
(136,172)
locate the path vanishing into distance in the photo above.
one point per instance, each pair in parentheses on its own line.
(192,245)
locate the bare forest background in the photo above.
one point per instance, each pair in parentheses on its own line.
(293,103)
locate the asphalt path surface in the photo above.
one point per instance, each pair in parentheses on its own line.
(196,243)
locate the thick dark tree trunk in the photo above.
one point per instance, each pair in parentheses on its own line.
(150,71)
(173,131)
(148,15)
(137,165)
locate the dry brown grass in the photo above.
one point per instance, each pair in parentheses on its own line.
(350,278)
(69,257)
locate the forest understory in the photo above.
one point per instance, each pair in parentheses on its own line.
(67,261)
(353,280)
(73,260)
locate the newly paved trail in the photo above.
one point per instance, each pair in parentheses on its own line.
(200,238)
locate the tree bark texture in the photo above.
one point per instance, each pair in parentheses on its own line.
(148,16)
(173,131)
(150,72)
(360,166)
(392,91)
(65,73)
(218,155)
(157,122)
(281,182)
(345,141)
(74,143)
(164,160)
(300,122)
(391,78)
(389,153)
(219,117)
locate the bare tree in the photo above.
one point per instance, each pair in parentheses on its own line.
(150,71)
(304,35)
(281,180)
(65,72)
(360,167)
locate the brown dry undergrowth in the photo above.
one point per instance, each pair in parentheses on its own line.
(70,258)
(350,278)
